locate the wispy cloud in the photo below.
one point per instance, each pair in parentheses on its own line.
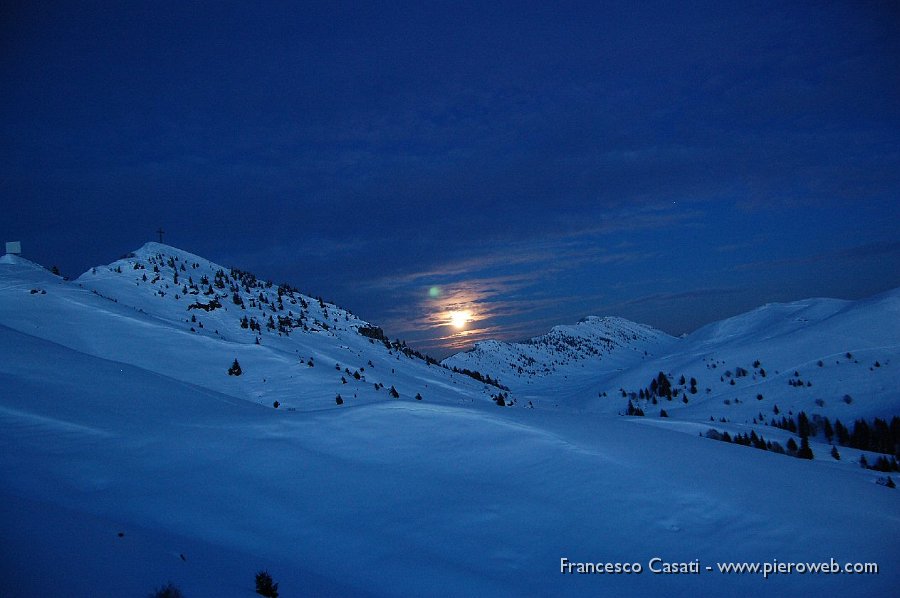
(504,286)
(694,294)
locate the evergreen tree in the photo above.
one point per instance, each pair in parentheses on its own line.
(803,427)
(835,453)
(760,443)
(805,452)
(664,386)
(265,586)
(860,436)
(841,432)
(792,446)
(882,464)
(167,591)
(235,369)
(880,436)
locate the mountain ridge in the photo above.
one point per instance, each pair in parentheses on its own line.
(788,342)
(129,456)
(209,315)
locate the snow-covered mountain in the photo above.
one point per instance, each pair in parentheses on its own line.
(129,457)
(614,342)
(821,356)
(292,348)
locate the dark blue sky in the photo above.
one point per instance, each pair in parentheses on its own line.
(669,162)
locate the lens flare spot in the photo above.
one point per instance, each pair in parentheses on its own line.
(435,292)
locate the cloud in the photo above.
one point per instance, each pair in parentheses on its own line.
(685,295)
(509,286)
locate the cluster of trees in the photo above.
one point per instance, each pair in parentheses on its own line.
(265,586)
(373,332)
(797,382)
(402,347)
(250,323)
(877,436)
(257,293)
(661,387)
(211,306)
(882,463)
(481,378)
(803,451)
(247,280)
(632,410)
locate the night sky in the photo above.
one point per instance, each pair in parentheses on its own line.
(673,163)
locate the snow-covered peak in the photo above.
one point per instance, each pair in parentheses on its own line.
(152,248)
(604,342)
(771,319)
(167,281)
(822,356)
(605,327)
(10,259)
(177,314)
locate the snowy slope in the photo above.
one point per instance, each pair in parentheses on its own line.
(597,342)
(116,419)
(112,312)
(806,341)
(814,353)
(568,362)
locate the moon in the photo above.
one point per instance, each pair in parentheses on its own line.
(459,319)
